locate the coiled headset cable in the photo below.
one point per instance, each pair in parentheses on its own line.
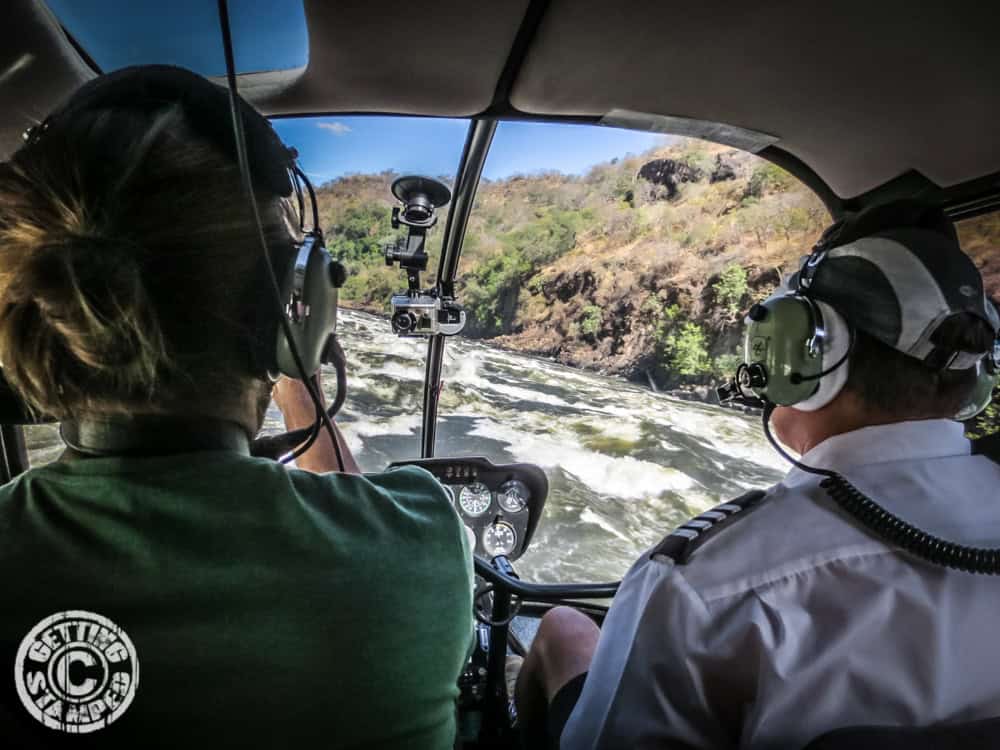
(889,527)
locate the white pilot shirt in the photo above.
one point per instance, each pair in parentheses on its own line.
(794,621)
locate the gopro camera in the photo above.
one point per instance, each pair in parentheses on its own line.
(425,315)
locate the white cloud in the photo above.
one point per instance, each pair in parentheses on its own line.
(337,128)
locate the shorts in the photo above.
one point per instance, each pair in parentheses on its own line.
(562,706)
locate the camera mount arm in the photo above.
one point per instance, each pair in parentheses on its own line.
(417,312)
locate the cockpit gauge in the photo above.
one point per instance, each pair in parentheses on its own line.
(513,496)
(475,499)
(499,538)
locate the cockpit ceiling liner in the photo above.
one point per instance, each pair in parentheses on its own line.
(860,91)
(398,56)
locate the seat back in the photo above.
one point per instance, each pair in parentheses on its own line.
(974,735)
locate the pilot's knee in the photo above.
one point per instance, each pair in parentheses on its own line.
(564,632)
(564,646)
(560,623)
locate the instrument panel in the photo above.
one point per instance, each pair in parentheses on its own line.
(500,503)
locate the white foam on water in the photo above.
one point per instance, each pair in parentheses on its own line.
(403,424)
(602,474)
(724,431)
(589,516)
(400,371)
(624,407)
(361,427)
(467,372)
(622,429)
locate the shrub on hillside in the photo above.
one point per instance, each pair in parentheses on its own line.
(371,285)
(550,235)
(591,320)
(359,231)
(724,366)
(487,286)
(730,288)
(767,177)
(686,351)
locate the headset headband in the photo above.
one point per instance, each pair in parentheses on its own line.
(206,108)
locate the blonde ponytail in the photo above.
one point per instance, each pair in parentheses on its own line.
(129,270)
(77,321)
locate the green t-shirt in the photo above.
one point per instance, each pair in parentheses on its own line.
(267,607)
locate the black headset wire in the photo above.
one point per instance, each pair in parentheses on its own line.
(338,401)
(244,167)
(885,524)
(314,431)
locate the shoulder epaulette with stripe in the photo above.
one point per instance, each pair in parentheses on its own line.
(680,543)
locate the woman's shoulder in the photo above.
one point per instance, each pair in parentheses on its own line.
(408,499)
(408,485)
(404,514)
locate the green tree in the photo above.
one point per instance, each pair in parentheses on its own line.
(686,351)
(484,289)
(730,288)
(591,320)
(359,231)
(767,177)
(551,234)
(724,366)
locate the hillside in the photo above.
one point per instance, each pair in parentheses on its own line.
(642,267)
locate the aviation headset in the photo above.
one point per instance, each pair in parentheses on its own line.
(312,279)
(797,347)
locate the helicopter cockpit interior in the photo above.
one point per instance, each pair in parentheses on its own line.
(553,216)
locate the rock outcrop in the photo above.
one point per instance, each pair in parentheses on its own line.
(722,171)
(668,174)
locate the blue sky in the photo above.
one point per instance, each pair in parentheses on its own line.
(332,146)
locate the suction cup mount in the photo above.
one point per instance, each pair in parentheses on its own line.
(420,197)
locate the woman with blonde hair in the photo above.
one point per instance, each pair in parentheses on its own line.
(173,590)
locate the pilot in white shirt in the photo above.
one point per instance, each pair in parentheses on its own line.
(780,616)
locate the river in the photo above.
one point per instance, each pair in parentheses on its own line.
(625,465)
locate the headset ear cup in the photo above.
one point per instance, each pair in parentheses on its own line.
(987,380)
(837,345)
(310,293)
